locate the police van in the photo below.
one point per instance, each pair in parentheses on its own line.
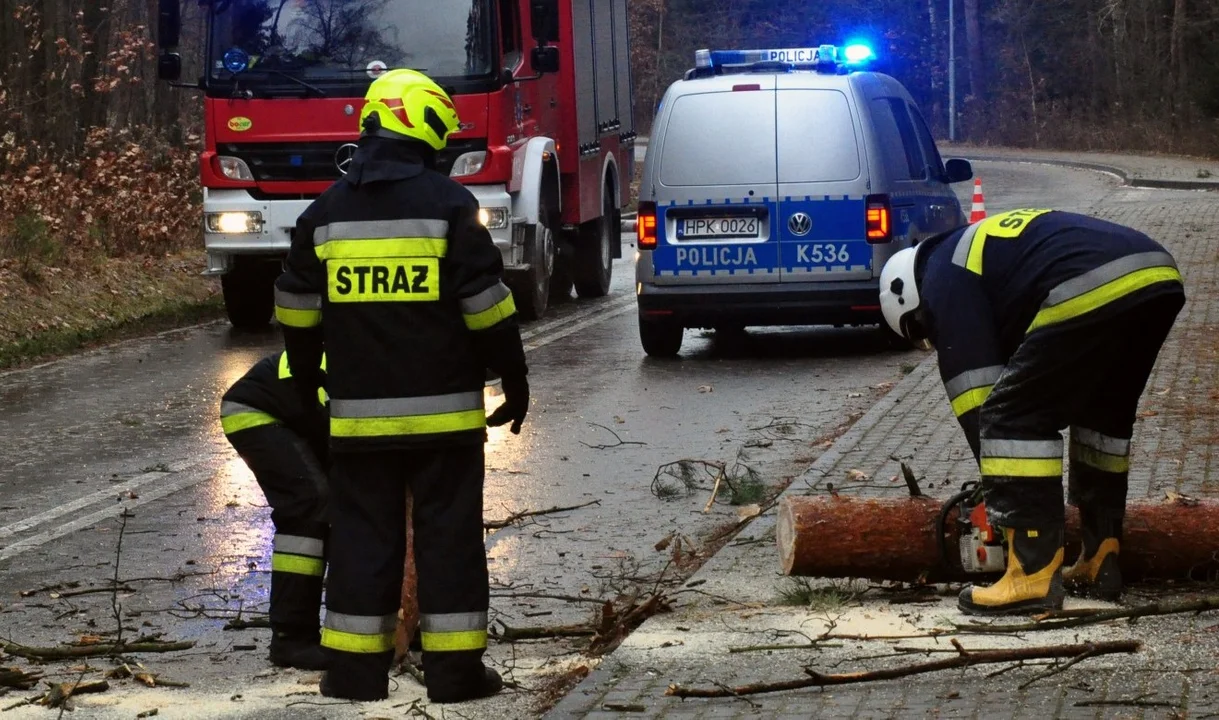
(776,184)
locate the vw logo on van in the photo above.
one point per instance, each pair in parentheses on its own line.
(800,224)
(344,155)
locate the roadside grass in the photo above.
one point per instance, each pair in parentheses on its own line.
(48,311)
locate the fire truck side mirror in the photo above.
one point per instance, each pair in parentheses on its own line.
(169,24)
(169,66)
(544,17)
(545,60)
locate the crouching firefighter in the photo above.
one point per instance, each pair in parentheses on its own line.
(1042,320)
(283,441)
(392,273)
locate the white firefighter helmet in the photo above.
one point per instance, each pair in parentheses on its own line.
(899,297)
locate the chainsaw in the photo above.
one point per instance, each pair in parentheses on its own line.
(980,545)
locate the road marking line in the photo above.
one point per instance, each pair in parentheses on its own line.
(574,317)
(200,467)
(110,492)
(622,309)
(196,474)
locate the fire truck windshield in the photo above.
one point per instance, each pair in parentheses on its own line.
(342,40)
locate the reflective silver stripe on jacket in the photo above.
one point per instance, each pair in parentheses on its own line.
(406,407)
(380,230)
(960,256)
(228,407)
(1106,273)
(361,624)
(1021,448)
(971,379)
(298,545)
(453,622)
(298,301)
(486,299)
(1097,441)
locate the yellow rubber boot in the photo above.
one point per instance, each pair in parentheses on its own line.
(1033,581)
(1097,576)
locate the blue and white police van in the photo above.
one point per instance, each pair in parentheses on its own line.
(776,185)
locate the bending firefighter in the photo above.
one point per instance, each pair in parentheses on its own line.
(1042,320)
(283,441)
(391,272)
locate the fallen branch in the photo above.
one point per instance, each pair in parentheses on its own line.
(964,658)
(89,651)
(1132,702)
(507,633)
(60,692)
(518,516)
(243,624)
(89,591)
(795,646)
(911,481)
(620,442)
(17,678)
(1057,669)
(1210,602)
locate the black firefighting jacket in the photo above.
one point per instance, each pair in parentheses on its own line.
(266,395)
(392,273)
(988,286)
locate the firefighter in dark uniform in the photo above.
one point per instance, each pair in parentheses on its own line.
(283,441)
(1042,320)
(391,271)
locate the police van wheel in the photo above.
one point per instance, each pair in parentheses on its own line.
(595,251)
(249,294)
(660,339)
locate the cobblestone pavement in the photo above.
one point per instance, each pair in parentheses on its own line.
(735,599)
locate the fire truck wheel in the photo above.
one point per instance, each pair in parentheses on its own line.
(531,290)
(595,251)
(249,294)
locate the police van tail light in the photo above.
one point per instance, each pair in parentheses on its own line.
(645,226)
(879,227)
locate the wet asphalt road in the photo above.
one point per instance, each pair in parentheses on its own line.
(134,427)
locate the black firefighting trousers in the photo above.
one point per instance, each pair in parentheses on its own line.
(294,482)
(367,549)
(1089,377)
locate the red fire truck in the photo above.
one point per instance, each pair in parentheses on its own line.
(542,87)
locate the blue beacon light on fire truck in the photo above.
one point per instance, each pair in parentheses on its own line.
(825,58)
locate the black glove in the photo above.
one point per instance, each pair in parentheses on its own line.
(307,389)
(516,404)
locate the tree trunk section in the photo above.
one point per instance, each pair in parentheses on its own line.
(408,616)
(889,539)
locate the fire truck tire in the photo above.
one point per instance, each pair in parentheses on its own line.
(531,289)
(249,294)
(660,339)
(595,251)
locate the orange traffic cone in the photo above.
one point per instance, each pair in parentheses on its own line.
(978,212)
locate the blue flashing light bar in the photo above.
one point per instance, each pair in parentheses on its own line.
(825,56)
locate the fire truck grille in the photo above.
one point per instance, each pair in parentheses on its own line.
(288,162)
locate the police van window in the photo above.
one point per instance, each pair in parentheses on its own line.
(931,155)
(720,138)
(914,154)
(816,137)
(889,140)
(509,29)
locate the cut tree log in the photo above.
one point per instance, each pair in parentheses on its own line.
(895,539)
(408,614)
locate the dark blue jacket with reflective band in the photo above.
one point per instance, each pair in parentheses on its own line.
(986,287)
(391,272)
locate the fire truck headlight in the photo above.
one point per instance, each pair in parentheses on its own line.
(235,168)
(493,218)
(234,223)
(470,163)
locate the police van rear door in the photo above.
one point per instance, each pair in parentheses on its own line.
(717,184)
(822,182)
